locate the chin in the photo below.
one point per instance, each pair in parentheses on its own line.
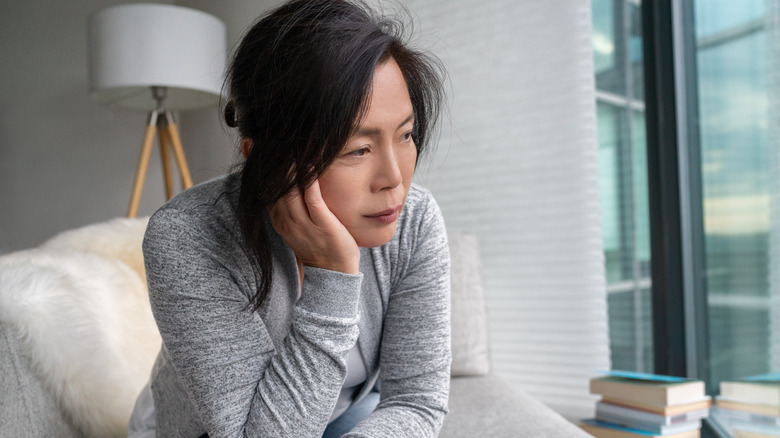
(373,238)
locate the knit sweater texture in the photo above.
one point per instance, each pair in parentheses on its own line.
(277,372)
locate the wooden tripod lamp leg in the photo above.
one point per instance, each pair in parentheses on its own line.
(165,156)
(143,164)
(178,151)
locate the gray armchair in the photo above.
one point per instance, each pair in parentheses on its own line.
(37,399)
(483,404)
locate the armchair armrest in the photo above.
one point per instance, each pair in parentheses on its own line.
(490,406)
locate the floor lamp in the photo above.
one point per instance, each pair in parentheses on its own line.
(158,58)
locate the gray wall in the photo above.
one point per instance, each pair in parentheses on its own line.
(66,161)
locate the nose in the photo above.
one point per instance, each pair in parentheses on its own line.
(387,174)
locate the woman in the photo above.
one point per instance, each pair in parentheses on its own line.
(307,295)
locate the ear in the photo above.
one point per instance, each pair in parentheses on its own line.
(246,147)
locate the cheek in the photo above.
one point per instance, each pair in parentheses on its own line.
(408,161)
(337,191)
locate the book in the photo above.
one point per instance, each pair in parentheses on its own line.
(755,430)
(765,393)
(648,388)
(645,376)
(661,409)
(660,429)
(646,420)
(749,417)
(726,403)
(771,377)
(748,434)
(606,430)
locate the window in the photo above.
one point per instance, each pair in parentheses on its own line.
(713,178)
(733,106)
(618,63)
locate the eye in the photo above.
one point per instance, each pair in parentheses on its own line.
(358,152)
(406,137)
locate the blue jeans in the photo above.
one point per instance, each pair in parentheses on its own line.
(352,416)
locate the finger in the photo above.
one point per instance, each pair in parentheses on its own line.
(319,213)
(292,197)
(290,208)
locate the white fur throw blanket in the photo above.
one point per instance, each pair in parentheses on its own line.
(80,306)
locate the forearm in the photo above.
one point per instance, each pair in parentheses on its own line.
(240,378)
(297,392)
(412,414)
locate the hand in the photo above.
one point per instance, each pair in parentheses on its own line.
(313,232)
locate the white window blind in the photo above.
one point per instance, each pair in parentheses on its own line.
(517,165)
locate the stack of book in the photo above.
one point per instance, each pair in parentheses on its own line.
(647,405)
(750,407)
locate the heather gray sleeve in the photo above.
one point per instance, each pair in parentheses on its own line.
(239,383)
(415,353)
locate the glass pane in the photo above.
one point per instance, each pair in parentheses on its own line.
(733,104)
(618,60)
(635,51)
(630,329)
(720,17)
(609,136)
(737,152)
(609,45)
(641,199)
(603,36)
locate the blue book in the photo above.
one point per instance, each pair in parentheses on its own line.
(771,377)
(645,376)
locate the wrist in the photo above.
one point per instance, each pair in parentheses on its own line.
(345,267)
(331,293)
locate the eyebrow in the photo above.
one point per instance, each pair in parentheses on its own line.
(375,131)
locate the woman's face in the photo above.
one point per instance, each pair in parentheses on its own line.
(366,186)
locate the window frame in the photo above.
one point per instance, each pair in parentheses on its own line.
(679,302)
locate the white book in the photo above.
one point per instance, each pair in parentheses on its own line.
(750,417)
(648,417)
(647,422)
(757,392)
(755,430)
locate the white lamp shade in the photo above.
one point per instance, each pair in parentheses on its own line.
(137,46)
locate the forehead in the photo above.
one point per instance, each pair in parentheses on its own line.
(388,101)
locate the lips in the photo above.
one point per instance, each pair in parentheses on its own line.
(385,217)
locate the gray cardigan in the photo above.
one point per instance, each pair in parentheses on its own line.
(278,372)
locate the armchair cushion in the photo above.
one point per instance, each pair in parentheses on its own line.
(26,408)
(469,322)
(489,406)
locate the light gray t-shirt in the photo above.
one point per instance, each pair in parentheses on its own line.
(278,372)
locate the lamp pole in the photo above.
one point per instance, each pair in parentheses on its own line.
(160,122)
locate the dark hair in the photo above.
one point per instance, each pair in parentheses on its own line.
(298,86)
